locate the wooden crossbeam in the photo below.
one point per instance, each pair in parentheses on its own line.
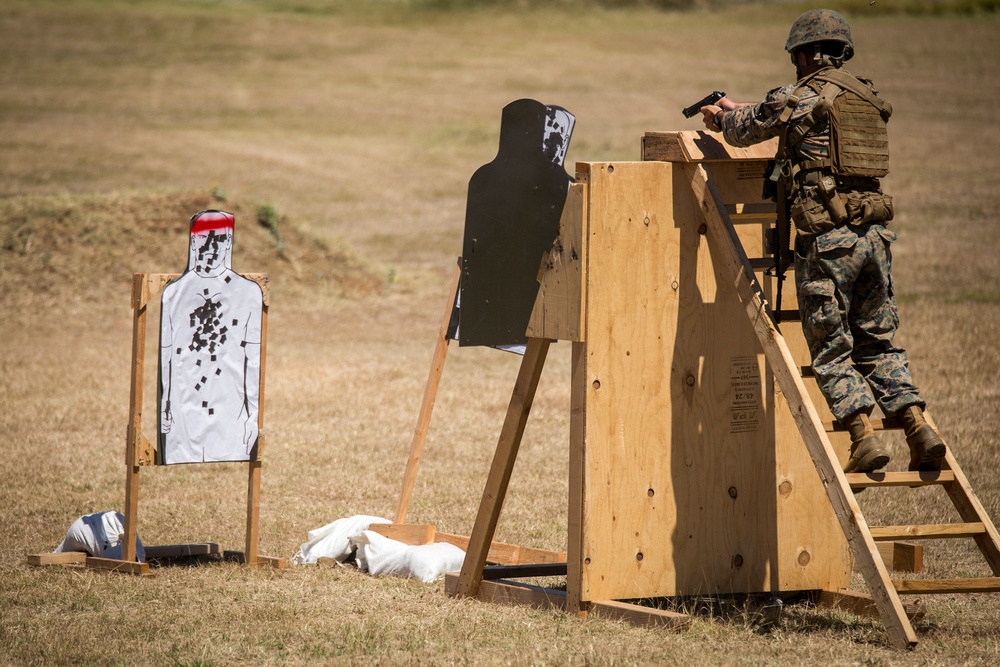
(869,479)
(932,586)
(120,566)
(927,532)
(517,593)
(182,550)
(860,604)
(524,571)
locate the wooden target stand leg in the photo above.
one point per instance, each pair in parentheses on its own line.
(417,534)
(427,406)
(140,452)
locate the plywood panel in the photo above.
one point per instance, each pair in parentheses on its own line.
(558,309)
(683,432)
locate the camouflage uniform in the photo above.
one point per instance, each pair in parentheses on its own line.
(843,279)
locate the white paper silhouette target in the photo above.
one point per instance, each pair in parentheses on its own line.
(210,339)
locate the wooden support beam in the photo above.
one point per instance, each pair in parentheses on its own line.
(638,615)
(933,586)
(119,566)
(501,553)
(261,561)
(503,464)
(182,550)
(902,556)
(510,592)
(413,534)
(427,405)
(493,572)
(61,558)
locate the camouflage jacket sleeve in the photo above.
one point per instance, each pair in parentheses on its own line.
(753,124)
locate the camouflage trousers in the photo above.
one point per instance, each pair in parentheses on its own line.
(849,318)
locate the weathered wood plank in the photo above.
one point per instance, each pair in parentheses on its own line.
(181,550)
(119,566)
(61,558)
(413,534)
(861,604)
(928,531)
(427,405)
(869,479)
(638,615)
(933,586)
(559,307)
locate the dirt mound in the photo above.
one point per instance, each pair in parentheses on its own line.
(72,251)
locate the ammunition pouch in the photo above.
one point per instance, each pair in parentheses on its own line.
(867,207)
(809,213)
(819,206)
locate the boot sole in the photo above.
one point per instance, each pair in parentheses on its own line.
(871,462)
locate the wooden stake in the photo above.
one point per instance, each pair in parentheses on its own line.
(135,416)
(427,407)
(253,474)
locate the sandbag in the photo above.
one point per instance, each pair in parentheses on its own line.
(379,555)
(333,539)
(99,535)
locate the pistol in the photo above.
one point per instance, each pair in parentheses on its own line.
(711,98)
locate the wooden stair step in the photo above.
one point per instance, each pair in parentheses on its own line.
(837,427)
(928,532)
(869,479)
(929,586)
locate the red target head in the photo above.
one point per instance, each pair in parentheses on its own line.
(212,220)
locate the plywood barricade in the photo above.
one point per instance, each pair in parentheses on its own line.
(140,452)
(687,473)
(700,461)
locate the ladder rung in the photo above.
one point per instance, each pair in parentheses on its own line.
(981,585)
(927,532)
(867,479)
(877,424)
(789,315)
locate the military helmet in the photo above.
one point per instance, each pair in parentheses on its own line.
(820,25)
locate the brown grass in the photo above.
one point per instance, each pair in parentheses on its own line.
(361,127)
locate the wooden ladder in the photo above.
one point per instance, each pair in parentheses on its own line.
(728,252)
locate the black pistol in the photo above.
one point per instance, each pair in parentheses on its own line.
(711,98)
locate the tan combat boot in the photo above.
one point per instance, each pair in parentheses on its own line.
(867,453)
(926,449)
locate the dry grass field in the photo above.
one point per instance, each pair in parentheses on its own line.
(361,125)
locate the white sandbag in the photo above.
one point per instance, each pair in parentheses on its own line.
(380,555)
(333,539)
(100,535)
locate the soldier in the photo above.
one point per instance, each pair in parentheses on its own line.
(832,151)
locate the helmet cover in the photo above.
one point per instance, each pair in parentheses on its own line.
(820,25)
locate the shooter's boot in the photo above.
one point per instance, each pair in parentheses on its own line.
(867,453)
(927,450)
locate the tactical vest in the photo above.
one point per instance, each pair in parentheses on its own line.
(843,187)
